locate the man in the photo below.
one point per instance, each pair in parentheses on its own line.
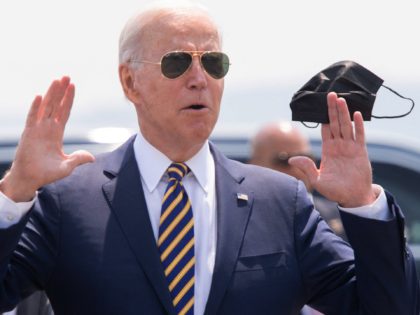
(272,147)
(105,240)
(275,143)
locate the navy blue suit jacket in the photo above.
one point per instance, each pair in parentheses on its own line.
(88,243)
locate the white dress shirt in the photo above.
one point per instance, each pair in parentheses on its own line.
(200,185)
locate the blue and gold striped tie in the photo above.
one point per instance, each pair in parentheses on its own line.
(176,241)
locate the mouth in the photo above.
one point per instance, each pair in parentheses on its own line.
(196,107)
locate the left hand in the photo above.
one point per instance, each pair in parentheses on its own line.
(345,173)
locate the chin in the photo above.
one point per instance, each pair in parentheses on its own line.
(198,135)
(202,129)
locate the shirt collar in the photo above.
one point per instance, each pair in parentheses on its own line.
(153,164)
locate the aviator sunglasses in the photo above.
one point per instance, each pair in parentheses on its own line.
(175,63)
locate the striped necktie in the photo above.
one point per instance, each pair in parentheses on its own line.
(176,240)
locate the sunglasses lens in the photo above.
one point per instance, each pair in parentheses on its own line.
(175,63)
(215,63)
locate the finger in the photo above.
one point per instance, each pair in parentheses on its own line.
(33,111)
(359,128)
(346,127)
(326,132)
(63,113)
(53,97)
(333,115)
(78,158)
(65,83)
(45,109)
(306,166)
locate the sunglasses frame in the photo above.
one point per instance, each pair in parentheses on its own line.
(192,53)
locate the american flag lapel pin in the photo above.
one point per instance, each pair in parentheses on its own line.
(243,197)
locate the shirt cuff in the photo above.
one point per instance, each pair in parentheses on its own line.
(12,212)
(378,210)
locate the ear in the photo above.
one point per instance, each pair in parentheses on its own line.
(127,79)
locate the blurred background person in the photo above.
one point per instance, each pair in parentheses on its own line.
(272,147)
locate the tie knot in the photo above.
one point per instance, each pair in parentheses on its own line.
(177,171)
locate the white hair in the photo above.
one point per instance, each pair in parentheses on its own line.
(132,35)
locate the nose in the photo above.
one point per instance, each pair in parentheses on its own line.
(197,78)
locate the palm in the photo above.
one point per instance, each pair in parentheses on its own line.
(345,169)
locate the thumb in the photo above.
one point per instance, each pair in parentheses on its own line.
(306,166)
(78,158)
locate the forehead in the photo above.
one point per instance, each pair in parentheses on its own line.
(181,32)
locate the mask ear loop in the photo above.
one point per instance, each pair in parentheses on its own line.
(398,116)
(308,126)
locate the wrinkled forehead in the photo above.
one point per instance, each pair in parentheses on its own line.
(180,30)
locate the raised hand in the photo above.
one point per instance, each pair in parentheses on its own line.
(39,158)
(345,173)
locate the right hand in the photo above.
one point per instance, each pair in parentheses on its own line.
(345,173)
(39,158)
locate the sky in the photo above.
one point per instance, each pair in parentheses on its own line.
(274,46)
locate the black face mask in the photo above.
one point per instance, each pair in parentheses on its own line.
(356,84)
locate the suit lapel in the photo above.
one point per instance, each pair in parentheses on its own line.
(234,204)
(125,196)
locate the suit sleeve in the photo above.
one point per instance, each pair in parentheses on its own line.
(385,267)
(376,275)
(28,252)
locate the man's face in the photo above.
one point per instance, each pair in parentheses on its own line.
(178,114)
